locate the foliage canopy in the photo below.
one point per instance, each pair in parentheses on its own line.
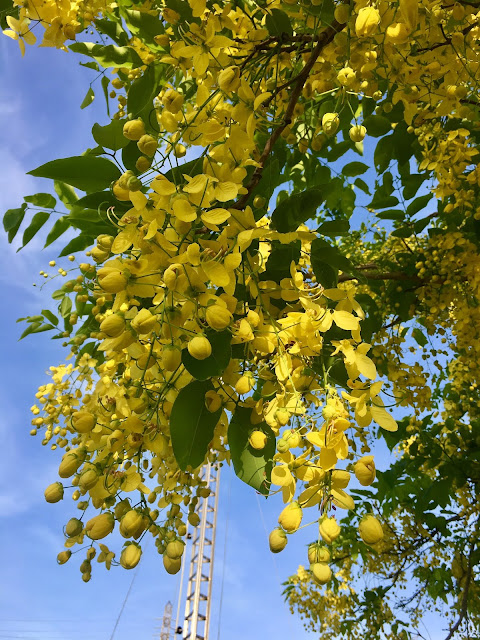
(282,223)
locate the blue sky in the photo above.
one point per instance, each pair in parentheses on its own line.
(40,119)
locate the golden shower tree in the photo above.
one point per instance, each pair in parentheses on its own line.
(281,226)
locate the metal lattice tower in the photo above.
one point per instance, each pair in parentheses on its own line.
(166,622)
(196,623)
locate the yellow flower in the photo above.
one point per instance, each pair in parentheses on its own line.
(19,30)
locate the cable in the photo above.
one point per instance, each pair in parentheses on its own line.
(275,565)
(126,598)
(224,556)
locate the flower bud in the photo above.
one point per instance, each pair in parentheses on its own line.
(330,123)
(318,553)
(329,530)
(199,348)
(370,530)
(130,556)
(218,317)
(171,357)
(175,549)
(367,22)
(172,565)
(134,129)
(111,279)
(365,471)
(100,526)
(357,133)
(54,492)
(257,440)
(83,421)
(291,517)
(144,322)
(321,572)
(88,478)
(229,79)
(143,164)
(147,145)
(245,384)
(132,524)
(113,325)
(63,556)
(70,462)
(73,527)
(121,194)
(277,540)
(342,13)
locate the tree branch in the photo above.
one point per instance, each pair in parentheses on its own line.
(323,39)
(464,607)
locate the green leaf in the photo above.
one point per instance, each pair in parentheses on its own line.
(324,10)
(412,184)
(88,99)
(418,204)
(113,29)
(36,327)
(182,8)
(142,91)
(296,209)
(88,173)
(277,22)
(217,361)
(42,200)
(66,193)
(382,202)
(403,232)
(144,25)
(361,184)
(110,55)
(50,316)
(111,135)
(377,126)
(334,228)
(383,154)
(90,65)
(354,169)
(326,261)
(79,243)
(325,274)
(192,425)
(278,263)
(89,221)
(252,466)
(105,83)
(391,214)
(65,307)
(38,220)
(59,228)
(419,337)
(130,155)
(191,168)
(12,220)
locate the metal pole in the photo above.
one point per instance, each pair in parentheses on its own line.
(166,622)
(199,586)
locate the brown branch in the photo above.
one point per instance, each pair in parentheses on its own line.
(389,275)
(447,40)
(323,39)
(464,607)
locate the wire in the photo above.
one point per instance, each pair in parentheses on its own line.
(275,564)
(126,598)
(224,556)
